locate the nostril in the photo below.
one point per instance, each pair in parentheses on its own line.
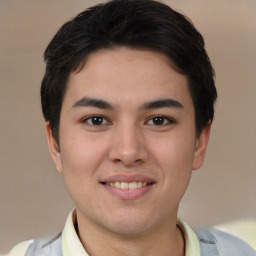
(117,160)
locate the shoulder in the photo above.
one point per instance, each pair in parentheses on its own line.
(40,246)
(19,249)
(216,242)
(244,229)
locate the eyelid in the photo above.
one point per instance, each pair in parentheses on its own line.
(169,120)
(85,119)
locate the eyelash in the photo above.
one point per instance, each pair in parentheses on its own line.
(86,120)
(166,120)
(104,121)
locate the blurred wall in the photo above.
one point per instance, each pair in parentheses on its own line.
(33,199)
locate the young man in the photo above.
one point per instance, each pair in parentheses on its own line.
(128,98)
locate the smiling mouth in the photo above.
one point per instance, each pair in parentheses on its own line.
(128,185)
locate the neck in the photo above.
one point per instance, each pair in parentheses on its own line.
(165,240)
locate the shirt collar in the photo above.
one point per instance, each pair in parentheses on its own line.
(71,244)
(191,241)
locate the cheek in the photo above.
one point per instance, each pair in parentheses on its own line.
(80,159)
(174,155)
(81,155)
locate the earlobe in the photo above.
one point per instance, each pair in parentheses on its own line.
(200,147)
(53,147)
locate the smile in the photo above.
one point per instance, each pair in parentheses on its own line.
(127,185)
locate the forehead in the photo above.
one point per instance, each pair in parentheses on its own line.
(127,75)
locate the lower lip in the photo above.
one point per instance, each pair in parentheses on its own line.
(128,193)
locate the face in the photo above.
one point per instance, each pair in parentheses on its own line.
(127,140)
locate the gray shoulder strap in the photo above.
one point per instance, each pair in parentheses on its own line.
(45,247)
(214,242)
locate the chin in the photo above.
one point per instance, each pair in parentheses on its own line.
(130,226)
(128,230)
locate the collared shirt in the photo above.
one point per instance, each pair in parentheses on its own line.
(71,244)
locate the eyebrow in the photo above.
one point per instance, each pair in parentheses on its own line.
(92,102)
(98,103)
(162,103)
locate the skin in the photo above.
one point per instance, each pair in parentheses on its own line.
(128,141)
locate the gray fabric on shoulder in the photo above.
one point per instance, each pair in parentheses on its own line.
(45,246)
(214,242)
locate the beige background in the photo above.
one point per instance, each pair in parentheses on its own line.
(33,200)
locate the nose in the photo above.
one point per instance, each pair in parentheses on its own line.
(128,146)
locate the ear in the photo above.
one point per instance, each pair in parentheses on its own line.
(53,147)
(200,148)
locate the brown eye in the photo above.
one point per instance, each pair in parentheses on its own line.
(159,120)
(96,120)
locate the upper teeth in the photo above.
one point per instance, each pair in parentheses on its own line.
(127,185)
